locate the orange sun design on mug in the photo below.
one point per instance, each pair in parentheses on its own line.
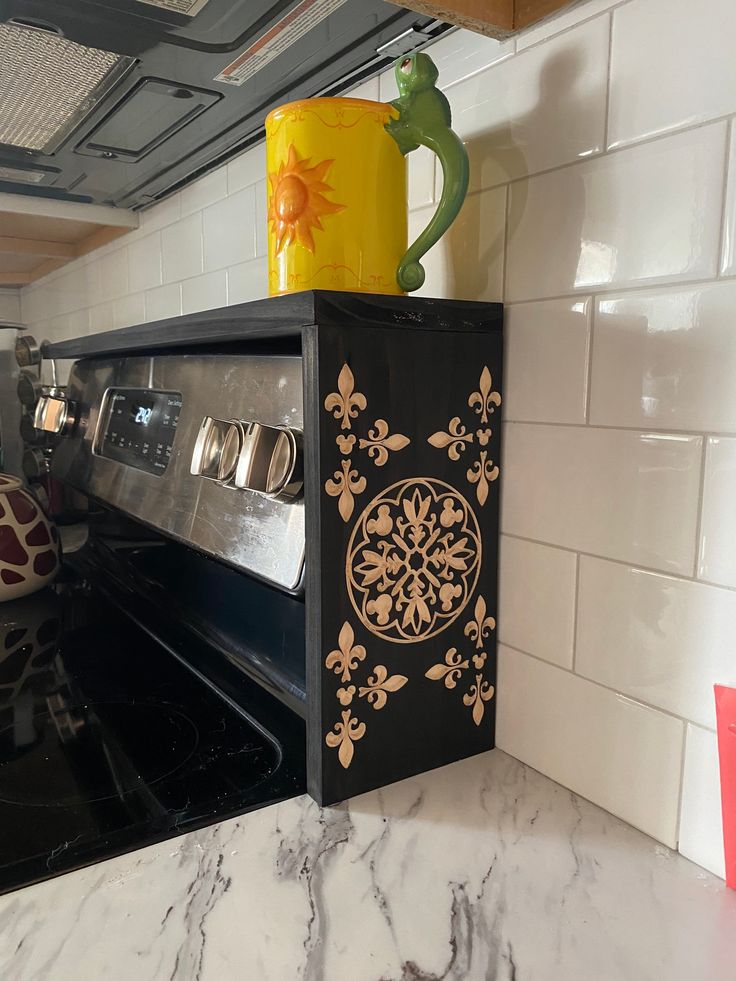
(297,202)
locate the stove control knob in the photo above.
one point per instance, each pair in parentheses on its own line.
(270,461)
(216,449)
(27,351)
(249,456)
(55,414)
(29,387)
(36,463)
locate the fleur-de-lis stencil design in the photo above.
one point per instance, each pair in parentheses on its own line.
(483,472)
(379,684)
(452,670)
(346,659)
(486,399)
(481,625)
(345,484)
(458,437)
(379,442)
(480,692)
(347,732)
(455,438)
(346,404)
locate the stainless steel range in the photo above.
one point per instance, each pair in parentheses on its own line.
(289,580)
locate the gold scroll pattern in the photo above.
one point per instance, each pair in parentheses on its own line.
(346,404)
(413,560)
(453,669)
(347,660)
(458,436)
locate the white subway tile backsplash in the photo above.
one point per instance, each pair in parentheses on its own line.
(10,305)
(144,263)
(421,177)
(34,306)
(623,495)
(543,108)
(102,317)
(208,292)
(129,310)
(114,274)
(163,302)
(728,248)
(247,281)
(536,610)
(662,640)
(666,359)
(563,21)
(701,821)
(670,68)
(717,554)
(203,192)
(246,169)
(546,368)
(608,748)
(649,213)
(182,248)
(230,230)
(467,263)
(369,89)
(261,219)
(92,282)
(163,213)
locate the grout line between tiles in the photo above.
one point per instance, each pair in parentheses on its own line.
(724,199)
(589,356)
(627,563)
(598,684)
(680,795)
(700,506)
(576,610)
(571,27)
(609,291)
(506,225)
(609,71)
(609,427)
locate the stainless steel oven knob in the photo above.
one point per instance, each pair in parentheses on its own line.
(216,450)
(270,461)
(29,387)
(27,351)
(36,463)
(55,414)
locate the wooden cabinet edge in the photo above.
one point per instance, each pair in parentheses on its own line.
(494,18)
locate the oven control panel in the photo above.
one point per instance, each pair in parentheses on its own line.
(138,427)
(150,430)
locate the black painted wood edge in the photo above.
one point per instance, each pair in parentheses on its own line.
(284,316)
(312,572)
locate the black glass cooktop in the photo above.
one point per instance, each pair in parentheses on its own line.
(108,742)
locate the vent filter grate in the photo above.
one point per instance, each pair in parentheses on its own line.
(47,84)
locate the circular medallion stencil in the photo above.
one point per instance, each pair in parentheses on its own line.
(413,560)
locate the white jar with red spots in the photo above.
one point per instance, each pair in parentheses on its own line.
(29,543)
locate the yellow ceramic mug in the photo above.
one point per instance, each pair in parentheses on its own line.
(337,206)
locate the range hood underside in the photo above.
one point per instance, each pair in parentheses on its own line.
(168,107)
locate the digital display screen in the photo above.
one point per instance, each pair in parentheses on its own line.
(141,414)
(140,426)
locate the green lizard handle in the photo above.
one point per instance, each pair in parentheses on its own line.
(424,120)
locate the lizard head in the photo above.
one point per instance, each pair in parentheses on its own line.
(414,73)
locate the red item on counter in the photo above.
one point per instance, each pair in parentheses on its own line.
(726,719)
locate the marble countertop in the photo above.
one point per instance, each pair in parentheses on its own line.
(482,870)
